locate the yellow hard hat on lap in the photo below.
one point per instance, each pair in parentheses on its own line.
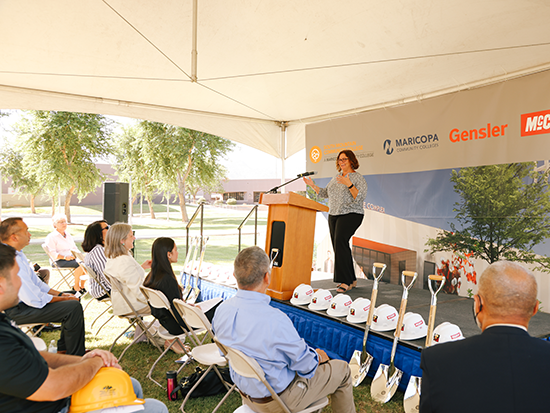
(110,387)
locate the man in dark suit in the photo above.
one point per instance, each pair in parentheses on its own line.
(503,369)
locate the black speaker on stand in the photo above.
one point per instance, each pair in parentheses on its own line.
(115,202)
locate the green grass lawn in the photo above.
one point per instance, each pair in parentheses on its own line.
(221,250)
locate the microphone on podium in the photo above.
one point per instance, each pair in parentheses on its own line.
(307,174)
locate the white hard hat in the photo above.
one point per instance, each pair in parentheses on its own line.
(339,306)
(414,327)
(359,311)
(302,295)
(384,318)
(445,332)
(321,300)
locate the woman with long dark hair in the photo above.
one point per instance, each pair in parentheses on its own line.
(94,245)
(162,278)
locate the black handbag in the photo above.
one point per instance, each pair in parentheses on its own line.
(209,386)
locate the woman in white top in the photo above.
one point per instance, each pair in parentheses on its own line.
(122,266)
(60,243)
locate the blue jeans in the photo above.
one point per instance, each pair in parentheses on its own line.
(151,405)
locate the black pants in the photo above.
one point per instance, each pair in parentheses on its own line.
(342,228)
(69,313)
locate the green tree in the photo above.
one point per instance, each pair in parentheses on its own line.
(179,157)
(11,166)
(503,213)
(61,150)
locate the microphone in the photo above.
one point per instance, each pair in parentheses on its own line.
(307,174)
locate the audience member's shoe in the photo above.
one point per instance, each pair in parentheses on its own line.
(176,348)
(50,327)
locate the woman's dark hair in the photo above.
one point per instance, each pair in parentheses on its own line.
(160,266)
(93,235)
(353,162)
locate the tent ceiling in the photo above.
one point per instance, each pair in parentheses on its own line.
(260,63)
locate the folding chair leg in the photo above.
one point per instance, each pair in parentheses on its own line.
(121,334)
(150,374)
(99,316)
(146,332)
(104,324)
(229,389)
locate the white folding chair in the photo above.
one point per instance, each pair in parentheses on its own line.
(248,367)
(29,330)
(157,299)
(59,269)
(107,300)
(206,354)
(135,318)
(79,255)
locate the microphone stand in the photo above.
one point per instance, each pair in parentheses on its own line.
(274,190)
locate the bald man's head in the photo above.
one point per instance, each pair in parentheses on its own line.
(508,290)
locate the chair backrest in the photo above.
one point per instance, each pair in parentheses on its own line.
(117,286)
(92,274)
(248,367)
(78,255)
(194,318)
(49,254)
(156,298)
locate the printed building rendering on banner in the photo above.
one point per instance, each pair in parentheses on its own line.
(410,157)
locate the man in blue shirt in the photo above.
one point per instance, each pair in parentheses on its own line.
(38,302)
(300,374)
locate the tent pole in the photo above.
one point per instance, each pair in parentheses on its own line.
(282,125)
(194,40)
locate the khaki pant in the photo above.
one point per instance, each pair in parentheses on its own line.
(332,378)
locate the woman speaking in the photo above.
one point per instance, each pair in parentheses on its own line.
(346,193)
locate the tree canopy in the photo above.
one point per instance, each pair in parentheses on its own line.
(60,150)
(503,213)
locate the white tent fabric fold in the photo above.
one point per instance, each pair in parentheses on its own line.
(260,64)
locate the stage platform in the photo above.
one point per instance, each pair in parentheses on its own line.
(340,338)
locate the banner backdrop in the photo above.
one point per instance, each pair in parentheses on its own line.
(502,123)
(407,155)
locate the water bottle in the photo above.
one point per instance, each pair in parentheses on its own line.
(53,347)
(172,382)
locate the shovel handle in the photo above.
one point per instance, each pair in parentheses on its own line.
(409,273)
(431,323)
(402,308)
(435,277)
(371,309)
(379,265)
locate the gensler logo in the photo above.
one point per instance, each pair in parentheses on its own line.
(536,123)
(412,143)
(457,135)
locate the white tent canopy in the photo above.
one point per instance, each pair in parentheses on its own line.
(260,64)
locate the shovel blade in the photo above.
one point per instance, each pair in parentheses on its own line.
(411,400)
(359,369)
(382,389)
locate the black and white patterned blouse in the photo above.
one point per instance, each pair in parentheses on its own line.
(340,199)
(96,260)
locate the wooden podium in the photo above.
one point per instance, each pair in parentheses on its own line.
(290,236)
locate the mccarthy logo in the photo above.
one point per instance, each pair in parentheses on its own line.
(387,147)
(536,123)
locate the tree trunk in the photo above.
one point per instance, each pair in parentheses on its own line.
(184,217)
(33,208)
(70,193)
(151,211)
(53,205)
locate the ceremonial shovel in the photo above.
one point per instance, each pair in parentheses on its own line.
(192,252)
(382,389)
(361,360)
(194,294)
(411,401)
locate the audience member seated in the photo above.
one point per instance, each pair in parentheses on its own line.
(300,374)
(503,369)
(164,253)
(32,381)
(122,266)
(38,303)
(94,245)
(60,244)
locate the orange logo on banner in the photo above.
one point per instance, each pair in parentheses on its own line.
(315,154)
(536,123)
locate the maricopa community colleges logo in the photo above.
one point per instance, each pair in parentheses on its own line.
(315,154)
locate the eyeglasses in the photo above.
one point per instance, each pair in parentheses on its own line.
(342,160)
(107,227)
